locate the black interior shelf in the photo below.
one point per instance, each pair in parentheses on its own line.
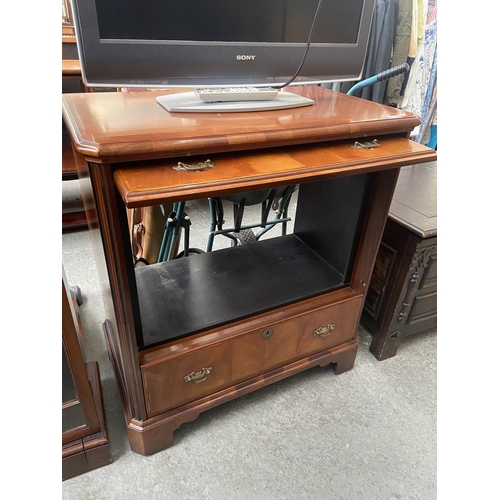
(188,295)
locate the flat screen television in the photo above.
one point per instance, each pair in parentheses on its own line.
(220,43)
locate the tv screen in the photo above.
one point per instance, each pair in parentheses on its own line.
(220,42)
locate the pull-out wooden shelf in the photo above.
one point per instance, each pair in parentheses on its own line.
(156,182)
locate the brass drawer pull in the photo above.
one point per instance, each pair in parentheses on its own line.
(267,333)
(324,331)
(202,165)
(199,376)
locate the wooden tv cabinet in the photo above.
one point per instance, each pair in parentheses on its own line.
(189,334)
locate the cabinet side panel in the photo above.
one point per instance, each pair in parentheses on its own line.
(120,325)
(329,218)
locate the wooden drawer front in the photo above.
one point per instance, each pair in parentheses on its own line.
(178,379)
(294,339)
(166,388)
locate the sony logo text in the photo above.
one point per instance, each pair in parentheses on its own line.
(245,58)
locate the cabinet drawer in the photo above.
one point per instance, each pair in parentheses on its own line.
(233,354)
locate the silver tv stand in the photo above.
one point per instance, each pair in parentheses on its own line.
(188,102)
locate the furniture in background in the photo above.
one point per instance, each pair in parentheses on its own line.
(72,70)
(189,334)
(85,444)
(68,27)
(71,73)
(78,218)
(402,296)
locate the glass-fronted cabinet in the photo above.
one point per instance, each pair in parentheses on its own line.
(84,435)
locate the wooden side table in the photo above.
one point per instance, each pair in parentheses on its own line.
(402,297)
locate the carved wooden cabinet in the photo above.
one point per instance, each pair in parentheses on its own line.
(189,334)
(402,297)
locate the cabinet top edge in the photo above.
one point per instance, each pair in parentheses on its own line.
(118,126)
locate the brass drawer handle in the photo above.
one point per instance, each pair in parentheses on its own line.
(199,376)
(324,331)
(202,165)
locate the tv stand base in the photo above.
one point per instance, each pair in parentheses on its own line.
(188,102)
(156,433)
